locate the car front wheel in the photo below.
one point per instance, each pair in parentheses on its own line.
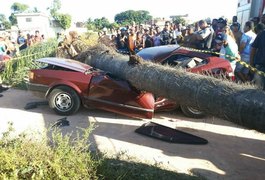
(192,112)
(64,100)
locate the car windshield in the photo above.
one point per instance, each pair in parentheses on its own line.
(153,53)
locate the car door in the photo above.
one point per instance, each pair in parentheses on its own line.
(116,95)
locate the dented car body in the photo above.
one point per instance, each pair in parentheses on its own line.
(67,84)
(192,61)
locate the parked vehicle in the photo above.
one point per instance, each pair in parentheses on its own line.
(68,84)
(192,61)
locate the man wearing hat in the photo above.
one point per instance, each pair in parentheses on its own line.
(227,47)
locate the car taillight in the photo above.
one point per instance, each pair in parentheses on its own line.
(31,75)
(231,76)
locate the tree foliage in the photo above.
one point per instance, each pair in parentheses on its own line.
(13,19)
(4,22)
(127,17)
(101,23)
(90,24)
(64,20)
(98,24)
(56,6)
(179,20)
(17,8)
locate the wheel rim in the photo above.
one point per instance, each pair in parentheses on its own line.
(63,102)
(194,111)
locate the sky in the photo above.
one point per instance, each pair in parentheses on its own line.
(81,10)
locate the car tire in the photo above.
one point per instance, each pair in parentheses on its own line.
(192,112)
(64,100)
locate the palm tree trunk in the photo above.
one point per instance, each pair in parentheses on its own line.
(243,105)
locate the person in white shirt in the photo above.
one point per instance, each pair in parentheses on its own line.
(245,47)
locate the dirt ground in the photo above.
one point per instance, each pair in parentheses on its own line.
(233,152)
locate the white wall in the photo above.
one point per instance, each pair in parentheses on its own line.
(30,22)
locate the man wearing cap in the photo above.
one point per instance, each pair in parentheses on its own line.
(122,41)
(227,47)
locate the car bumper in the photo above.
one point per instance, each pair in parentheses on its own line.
(38,89)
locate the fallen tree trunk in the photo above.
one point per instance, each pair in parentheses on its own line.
(243,105)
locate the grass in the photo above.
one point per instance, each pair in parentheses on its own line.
(133,169)
(68,156)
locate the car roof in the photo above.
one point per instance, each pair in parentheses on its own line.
(157,52)
(66,63)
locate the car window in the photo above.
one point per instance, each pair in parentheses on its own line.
(179,60)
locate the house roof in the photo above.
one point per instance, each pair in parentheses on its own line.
(31,14)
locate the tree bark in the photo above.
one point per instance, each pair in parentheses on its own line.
(243,105)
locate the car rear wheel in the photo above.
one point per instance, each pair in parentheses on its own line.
(192,112)
(64,100)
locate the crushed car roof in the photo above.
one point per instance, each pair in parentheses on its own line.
(66,63)
(156,52)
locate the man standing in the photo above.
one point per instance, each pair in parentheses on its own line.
(204,36)
(257,59)
(245,47)
(166,35)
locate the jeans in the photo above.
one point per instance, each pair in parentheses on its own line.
(259,80)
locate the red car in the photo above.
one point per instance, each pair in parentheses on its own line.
(192,61)
(67,84)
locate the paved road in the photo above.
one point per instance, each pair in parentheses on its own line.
(232,152)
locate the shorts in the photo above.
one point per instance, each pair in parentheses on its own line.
(259,80)
(241,68)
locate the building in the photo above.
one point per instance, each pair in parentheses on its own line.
(30,22)
(247,9)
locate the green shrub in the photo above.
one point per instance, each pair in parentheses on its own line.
(17,68)
(68,157)
(60,157)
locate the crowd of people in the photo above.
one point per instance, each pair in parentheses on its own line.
(231,41)
(10,47)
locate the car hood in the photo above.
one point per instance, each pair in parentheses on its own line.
(66,63)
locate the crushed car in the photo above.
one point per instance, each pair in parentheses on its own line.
(67,84)
(191,61)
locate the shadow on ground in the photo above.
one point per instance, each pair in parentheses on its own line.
(232,152)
